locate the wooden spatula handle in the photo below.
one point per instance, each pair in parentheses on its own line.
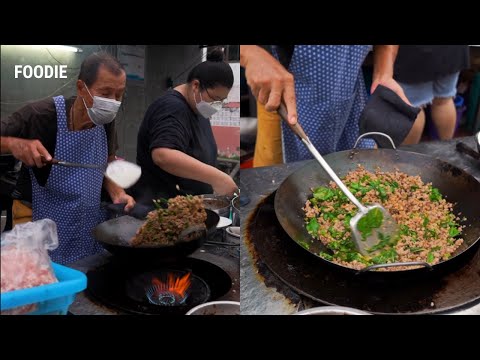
(296,128)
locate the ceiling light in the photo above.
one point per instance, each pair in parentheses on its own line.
(59,47)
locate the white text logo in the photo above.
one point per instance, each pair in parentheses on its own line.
(41,71)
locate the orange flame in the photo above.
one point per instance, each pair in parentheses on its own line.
(175,285)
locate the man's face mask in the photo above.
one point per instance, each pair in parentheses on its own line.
(103,110)
(207,109)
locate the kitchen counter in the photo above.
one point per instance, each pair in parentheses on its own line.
(258,298)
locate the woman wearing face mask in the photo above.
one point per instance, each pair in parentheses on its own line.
(176,148)
(78,129)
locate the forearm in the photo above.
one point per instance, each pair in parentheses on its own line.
(5,142)
(383,60)
(182,165)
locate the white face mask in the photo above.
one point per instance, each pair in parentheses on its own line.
(206,109)
(103,110)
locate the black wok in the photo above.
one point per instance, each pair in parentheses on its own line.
(115,236)
(455,184)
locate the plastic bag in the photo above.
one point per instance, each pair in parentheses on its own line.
(25,262)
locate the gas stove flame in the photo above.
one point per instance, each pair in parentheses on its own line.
(172,291)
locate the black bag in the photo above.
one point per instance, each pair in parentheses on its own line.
(387,113)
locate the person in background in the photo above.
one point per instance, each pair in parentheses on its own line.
(176,148)
(428,74)
(78,129)
(323,87)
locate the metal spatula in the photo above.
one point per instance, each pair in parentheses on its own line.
(124,176)
(372,223)
(71,164)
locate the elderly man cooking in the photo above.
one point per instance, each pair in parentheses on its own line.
(79,129)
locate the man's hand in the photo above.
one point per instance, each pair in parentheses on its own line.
(124,198)
(269,81)
(30,152)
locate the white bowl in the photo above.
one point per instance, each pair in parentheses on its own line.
(332,310)
(234,231)
(123,173)
(216,308)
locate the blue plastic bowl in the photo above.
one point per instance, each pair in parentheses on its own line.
(51,298)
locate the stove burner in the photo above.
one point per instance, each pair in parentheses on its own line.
(164,298)
(168,288)
(303,273)
(125,287)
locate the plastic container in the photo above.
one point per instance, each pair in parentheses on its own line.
(51,299)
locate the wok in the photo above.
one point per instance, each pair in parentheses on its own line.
(456,185)
(115,235)
(218,203)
